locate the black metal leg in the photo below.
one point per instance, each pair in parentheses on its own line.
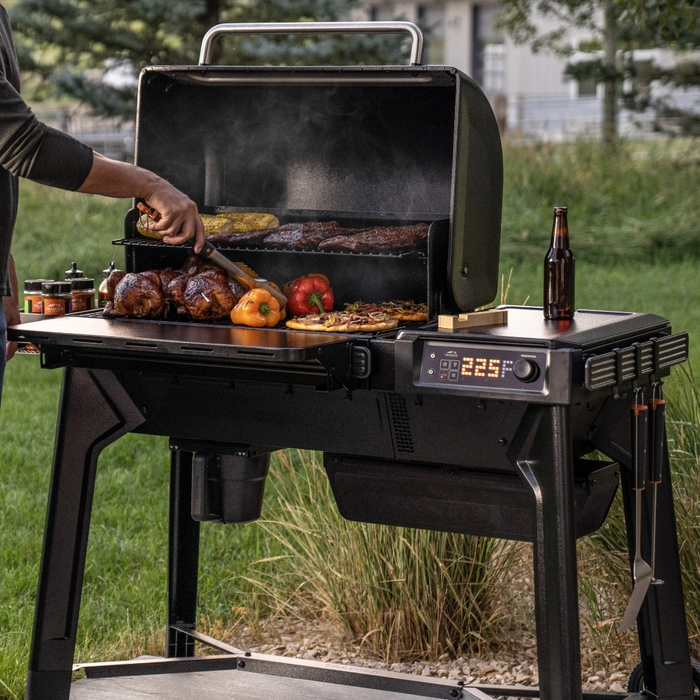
(548,469)
(183,557)
(661,624)
(95,411)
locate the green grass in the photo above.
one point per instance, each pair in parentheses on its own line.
(633,221)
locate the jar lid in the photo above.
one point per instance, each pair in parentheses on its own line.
(55,287)
(34,285)
(106,273)
(73,272)
(82,283)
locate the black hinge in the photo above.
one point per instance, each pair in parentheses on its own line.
(346,362)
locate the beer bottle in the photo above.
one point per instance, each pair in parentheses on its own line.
(559,271)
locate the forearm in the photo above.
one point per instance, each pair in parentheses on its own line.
(11,306)
(112,178)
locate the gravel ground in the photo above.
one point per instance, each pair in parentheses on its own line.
(518,665)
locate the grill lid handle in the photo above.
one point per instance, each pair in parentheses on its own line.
(315,28)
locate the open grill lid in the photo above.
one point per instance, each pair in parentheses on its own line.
(395,143)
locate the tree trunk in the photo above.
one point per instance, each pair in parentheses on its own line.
(209,20)
(610,74)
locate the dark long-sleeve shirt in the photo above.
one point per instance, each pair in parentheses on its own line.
(28,149)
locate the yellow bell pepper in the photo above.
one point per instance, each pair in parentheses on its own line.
(257,308)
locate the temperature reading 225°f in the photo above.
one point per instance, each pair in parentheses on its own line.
(481,367)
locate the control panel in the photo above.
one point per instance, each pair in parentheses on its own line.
(471,366)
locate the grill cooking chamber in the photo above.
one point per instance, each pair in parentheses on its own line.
(362,146)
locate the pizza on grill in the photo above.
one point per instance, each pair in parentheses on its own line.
(344,322)
(400,310)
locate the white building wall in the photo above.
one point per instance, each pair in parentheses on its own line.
(458,33)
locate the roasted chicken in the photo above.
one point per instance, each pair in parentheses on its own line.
(198,291)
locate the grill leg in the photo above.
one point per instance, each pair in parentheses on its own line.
(548,470)
(94,411)
(183,557)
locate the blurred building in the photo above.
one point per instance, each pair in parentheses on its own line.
(528,91)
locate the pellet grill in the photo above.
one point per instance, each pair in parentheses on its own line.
(416,436)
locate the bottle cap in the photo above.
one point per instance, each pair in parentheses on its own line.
(82,283)
(34,285)
(55,287)
(108,271)
(73,272)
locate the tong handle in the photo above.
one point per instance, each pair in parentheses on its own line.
(639,444)
(416,59)
(150,212)
(657,416)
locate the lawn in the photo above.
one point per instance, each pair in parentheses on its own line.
(633,222)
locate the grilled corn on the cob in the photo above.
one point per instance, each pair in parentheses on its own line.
(234,222)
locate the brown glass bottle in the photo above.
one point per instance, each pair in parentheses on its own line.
(559,271)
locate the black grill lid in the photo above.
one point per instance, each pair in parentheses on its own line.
(399,143)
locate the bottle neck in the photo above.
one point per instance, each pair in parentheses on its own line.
(560,230)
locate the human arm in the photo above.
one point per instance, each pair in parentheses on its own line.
(179,217)
(11,307)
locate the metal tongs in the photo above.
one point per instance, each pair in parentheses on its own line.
(641,571)
(657,419)
(211,253)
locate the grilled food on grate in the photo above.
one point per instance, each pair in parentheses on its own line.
(328,235)
(215,224)
(379,238)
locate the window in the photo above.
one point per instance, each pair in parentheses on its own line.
(488,49)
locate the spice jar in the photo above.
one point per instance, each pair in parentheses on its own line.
(74,272)
(103,294)
(32,296)
(82,293)
(56,298)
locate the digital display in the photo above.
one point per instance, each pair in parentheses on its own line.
(464,366)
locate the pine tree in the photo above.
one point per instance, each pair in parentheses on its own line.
(69,43)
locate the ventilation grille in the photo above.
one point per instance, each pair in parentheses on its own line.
(400,423)
(635,362)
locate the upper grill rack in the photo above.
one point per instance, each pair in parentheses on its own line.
(635,361)
(147,243)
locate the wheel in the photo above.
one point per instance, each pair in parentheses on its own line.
(636,682)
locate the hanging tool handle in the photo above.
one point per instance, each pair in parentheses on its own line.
(657,416)
(640,445)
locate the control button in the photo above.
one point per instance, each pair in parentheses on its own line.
(444,364)
(443,374)
(526,370)
(454,364)
(454,376)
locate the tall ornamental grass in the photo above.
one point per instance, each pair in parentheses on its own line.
(401,593)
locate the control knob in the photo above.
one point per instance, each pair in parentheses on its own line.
(526,370)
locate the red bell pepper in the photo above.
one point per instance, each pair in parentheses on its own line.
(310,295)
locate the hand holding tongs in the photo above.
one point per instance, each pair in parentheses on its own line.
(211,253)
(641,571)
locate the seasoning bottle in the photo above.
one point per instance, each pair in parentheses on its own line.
(74,272)
(102,292)
(82,293)
(56,298)
(32,296)
(559,272)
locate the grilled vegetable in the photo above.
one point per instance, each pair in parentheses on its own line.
(257,308)
(310,295)
(234,222)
